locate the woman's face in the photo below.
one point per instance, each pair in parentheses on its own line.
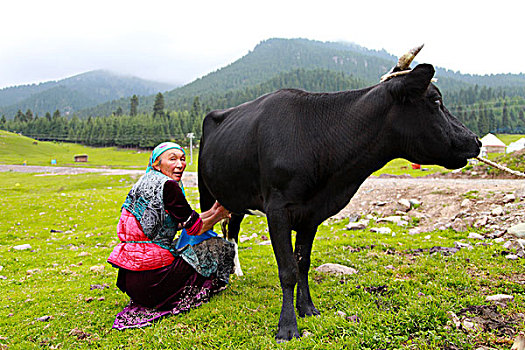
(172,163)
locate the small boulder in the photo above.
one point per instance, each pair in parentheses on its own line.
(518,230)
(474,235)
(499,298)
(458,225)
(404,204)
(354,217)
(360,225)
(465,203)
(336,269)
(398,220)
(462,245)
(454,319)
(470,326)
(97,268)
(415,203)
(497,211)
(481,222)
(509,198)
(22,247)
(519,342)
(382,230)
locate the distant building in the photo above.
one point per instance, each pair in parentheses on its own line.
(516,145)
(491,144)
(82,158)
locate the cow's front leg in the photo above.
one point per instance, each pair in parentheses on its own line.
(280,234)
(303,250)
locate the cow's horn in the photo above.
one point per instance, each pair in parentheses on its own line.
(404,61)
(403,64)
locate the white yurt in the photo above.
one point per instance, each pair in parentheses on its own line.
(491,144)
(516,145)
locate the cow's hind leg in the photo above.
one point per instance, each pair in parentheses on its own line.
(303,250)
(230,229)
(280,233)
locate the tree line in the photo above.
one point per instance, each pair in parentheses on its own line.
(481,109)
(122,130)
(486,109)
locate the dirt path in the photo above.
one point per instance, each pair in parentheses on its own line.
(442,202)
(190,179)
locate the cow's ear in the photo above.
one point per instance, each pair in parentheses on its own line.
(416,82)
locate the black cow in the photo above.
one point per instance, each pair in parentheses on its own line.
(299,157)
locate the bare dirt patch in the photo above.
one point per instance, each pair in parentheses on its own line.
(493,204)
(190,179)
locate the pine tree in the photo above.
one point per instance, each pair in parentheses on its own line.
(196,108)
(19,117)
(29,116)
(134,104)
(119,111)
(158,106)
(505,121)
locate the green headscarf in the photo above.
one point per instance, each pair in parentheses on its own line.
(157,151)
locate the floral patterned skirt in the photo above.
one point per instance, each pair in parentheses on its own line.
(169,290)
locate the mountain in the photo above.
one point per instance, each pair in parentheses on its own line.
(274,57)
(494,103)
(266,61)
(75,93)
(262,70)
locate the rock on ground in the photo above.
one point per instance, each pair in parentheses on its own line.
(336,269)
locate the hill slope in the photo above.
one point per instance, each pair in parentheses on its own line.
(275,56)
(75,93)
(100,93)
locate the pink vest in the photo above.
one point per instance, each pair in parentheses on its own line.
(137,256)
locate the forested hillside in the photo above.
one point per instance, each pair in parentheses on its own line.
(75,93)
(274,56)
(266,61)
(493,103)
(146,130)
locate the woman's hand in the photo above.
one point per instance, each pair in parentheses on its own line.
(211,217)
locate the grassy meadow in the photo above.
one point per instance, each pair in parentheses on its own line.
(61,293)
(15,149)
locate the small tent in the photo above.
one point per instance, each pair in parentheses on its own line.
(491,144)
(516,145)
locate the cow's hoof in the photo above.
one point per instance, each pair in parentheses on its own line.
(286,333)
(308,310)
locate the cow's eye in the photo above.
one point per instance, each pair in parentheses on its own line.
(438,102)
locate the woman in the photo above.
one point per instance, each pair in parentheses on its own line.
(161,274)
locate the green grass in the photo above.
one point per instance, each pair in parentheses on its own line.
(15,149)
(509,138)
(70,222)
(404,167)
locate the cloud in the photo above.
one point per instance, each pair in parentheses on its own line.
(178,41)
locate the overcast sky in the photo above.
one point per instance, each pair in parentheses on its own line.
(180,40)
